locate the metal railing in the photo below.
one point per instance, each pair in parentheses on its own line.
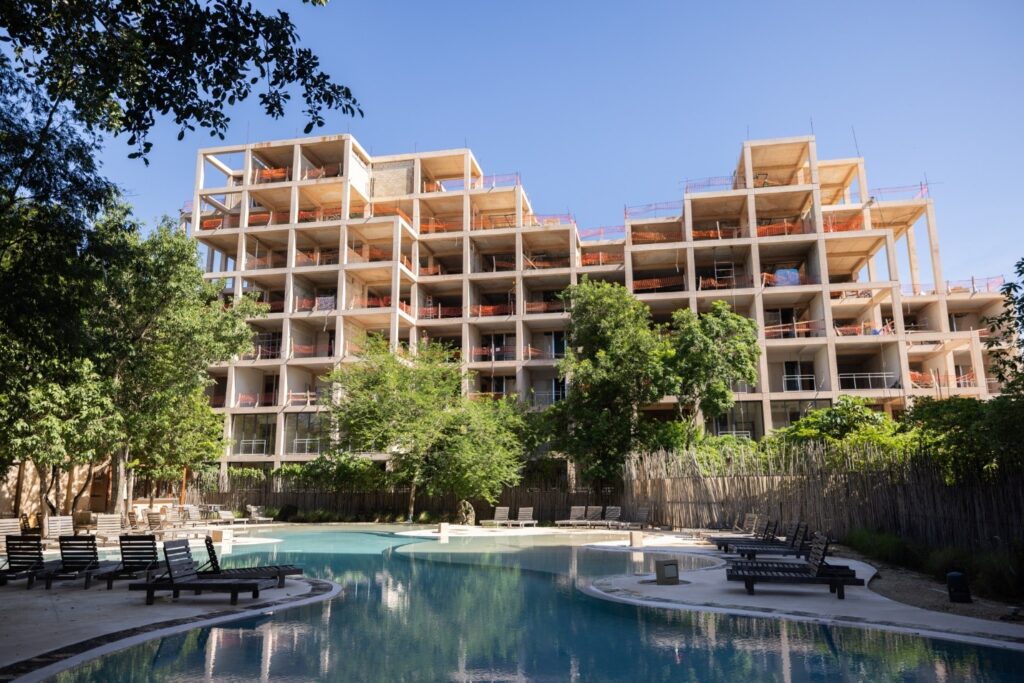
(271,174)
(309,398)
(548,220)
(919,191)
(305,446)
(439,311)
(543,399)
(655,210)
(716,183)
(800,328)
(251,447)
(545,306)
(655,236)
(715,230)
(799,383)
(867,380)
(611,232)
(493,353)
(602,258)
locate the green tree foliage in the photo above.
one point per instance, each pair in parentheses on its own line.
(1006,343)
(614,360)
(410,405)
(117,64)
(708,353)
(971,439)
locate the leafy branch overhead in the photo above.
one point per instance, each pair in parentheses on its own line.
(119,63)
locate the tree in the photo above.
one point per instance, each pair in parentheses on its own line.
(615,361)
(158,326)
(410,406)
(117,63)
(63,425)
(709,352)
(1006,341)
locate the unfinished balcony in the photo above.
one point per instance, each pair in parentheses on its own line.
(720,218)
(217,253)
(839,180)
(868,367)
(218,390)
(658,281)
(312,343)
(495,209)
(255,388)
(653,233)
(538,222)
(789,265)
(219,211)
(440,301)
(263,213)
(313,256)
(720,268)
(313,299)
(266,344)
(494,387)
(744,420)
(222,170)
(540,302)
(792,323)
(443,172)
(778,163)
(544,345)
(322,161)
(439,214)
(781,214)
(545,260)
(492,304)
(440,257)
(274,299)
(602,257)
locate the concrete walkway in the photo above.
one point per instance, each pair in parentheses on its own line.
(708,590)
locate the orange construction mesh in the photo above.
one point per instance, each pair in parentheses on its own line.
(779,228)
(651,237)
(431,270)
(650,283)
(325,171)
(715,233)
(491,309)
(602,258)
(537,220)
(545,306)
(272,175)
(371,302)
(434,312)
(431,225)
(546,261)
(851,224)
(493,221)
(800,328)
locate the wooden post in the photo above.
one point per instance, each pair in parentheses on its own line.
(184,483)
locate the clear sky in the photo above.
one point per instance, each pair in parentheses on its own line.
(603,104)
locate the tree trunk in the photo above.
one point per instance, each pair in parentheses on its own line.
(55,480)
(184,485)
(412,499)
(86,486)
(130,501)
(18,488)
(44,490)
(119,487)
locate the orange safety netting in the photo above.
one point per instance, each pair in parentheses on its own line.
(431,225)
(851,224)
(268,261)
(800,328)
(535,220)
(649,237)
(371,302)
(491,309)
(325,171)
(715,233)
(544,306)
(493,221)
(493,352)
(601,258)
(379,211)
(309,350)
(659,283)
(272,175)
(723,282)
(215,222)
(544,261)
(434,312)
(779,228)
(307,397)
(316,257)
(921,380)
(431,270)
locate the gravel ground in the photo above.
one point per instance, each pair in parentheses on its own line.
(921,590)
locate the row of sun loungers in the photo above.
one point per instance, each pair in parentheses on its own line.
(589,516)
(756,536)
(139,559)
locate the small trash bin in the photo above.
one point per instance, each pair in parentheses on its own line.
(959,590)
(666,572)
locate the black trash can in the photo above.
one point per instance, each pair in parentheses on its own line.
(959,590)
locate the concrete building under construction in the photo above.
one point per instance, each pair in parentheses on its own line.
(341,244)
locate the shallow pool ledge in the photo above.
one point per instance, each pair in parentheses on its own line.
(55,630)
(707,590)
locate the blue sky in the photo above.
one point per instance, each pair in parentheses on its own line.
(601,104)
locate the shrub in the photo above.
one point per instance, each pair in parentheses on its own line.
(886,547)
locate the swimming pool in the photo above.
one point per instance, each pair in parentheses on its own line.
(508,609)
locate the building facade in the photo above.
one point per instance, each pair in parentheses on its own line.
(341,244)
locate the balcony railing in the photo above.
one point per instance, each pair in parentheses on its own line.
(324,171)
(496,180)
(545,261)
(976,285)
(651,284)
(272,175)
(716,183)
(435,269)
(609,232)
(247,400)
(431,225)
(327,213)
(302,398)
(715,231)
(365,254)
(218,400)
(251,447)
(317,257)
(543,399)
(850,224)
(919,191)
(800,328)
(445,185)
(656,237)
(439,311)
(272,260)
(491,309)
(218,221)
(918,289)
(545,306)
(499,262)
(327,302)
(706,282)
(602,258)
(260,218)
(799,383)
(931,379)
(492,353)
(868,380)
(671,209)
(778,228)
(864,329)
(264,351)
(312,350)
(548,220)
(370,302)
(533,353)
(493,221)
(490,395)
(305,446)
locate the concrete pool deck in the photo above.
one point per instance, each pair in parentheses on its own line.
(45,631)
(708,590)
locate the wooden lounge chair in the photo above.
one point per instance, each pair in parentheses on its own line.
(228,517)
(162,528)
(815,571)
(524,517)
(637,521)
(790,530)
(24,559)
(183,575)
(759,533)
(592,515)
(256,515)
(108,527)
(59,525)
(794,544)
(213,570)
(500,517)
(575,515)
(9,526)
(612,514)
(138,556)
(78,558)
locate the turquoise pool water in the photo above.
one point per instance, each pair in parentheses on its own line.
(509,610)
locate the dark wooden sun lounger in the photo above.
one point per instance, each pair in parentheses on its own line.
(79,558)
(763,530)
(183,575)
(793,543)
(212,569)
(138,556)
(24,559)
(815,571)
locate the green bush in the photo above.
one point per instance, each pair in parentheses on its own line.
(886,547)
(944,560)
